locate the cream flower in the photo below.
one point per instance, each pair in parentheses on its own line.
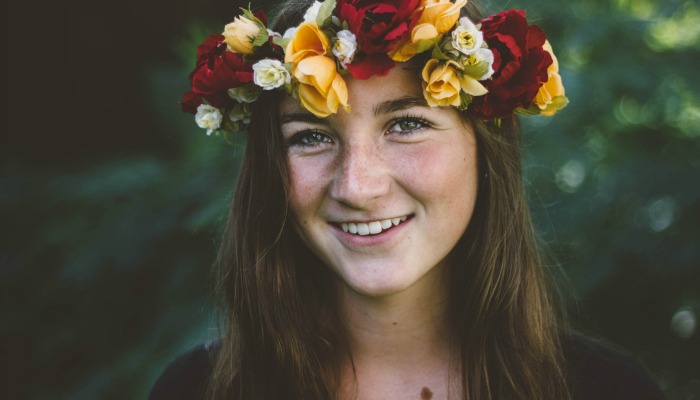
(245,94)
(345,47)
(312,12)
(479,64)
(466,38)
(550,97)
(444,82)
(208,118)
(240,34)
(270,74)
(437,18)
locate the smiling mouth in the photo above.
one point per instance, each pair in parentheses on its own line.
(371,228)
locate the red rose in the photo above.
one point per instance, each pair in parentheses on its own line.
(217,71)
(520,64)
(378,26)
(210,47)
(190,102)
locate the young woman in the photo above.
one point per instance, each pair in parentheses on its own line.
(379,244)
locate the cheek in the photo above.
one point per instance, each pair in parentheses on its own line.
(444,172)
(306,184)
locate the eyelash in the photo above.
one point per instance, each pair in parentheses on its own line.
(423,124)
(303,138)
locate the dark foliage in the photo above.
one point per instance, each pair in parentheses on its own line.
(111,199)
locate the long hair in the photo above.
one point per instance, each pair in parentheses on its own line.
(280,334)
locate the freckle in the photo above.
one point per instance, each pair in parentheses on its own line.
(393,323)
(426,394)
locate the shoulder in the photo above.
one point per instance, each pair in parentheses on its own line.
(602,371)
(186,376)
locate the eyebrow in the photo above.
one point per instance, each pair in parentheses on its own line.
(302,117)
(399,104)
(384,107)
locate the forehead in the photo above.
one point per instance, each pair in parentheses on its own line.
(366,96)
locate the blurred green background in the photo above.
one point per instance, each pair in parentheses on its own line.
(111,199)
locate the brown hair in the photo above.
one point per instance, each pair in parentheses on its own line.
(280,337)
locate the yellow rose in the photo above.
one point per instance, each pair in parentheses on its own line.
(437,18)
(551,98)
(321,89)
(308,41)
(443,82)
(240,34)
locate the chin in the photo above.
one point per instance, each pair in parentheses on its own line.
(380,286)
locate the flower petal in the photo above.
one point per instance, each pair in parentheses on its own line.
(318,71)
(471,86)
(313,101)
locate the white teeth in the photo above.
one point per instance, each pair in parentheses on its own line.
(362,229)
(371,228)
(375,227)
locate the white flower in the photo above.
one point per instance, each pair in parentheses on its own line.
(466,38)
(312,12)
(485,56)
(245,93)
(270,74)
(479,64)
(344,47)
(208,118)
(289,33)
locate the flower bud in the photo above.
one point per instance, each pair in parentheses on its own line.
(240,34)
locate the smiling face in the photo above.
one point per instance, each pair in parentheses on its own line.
(383,193)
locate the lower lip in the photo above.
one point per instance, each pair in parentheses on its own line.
(378,239)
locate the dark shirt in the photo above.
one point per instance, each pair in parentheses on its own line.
(598,371)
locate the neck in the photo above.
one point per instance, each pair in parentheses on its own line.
(398,328)
(400,344)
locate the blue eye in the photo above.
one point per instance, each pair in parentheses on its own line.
(408,125)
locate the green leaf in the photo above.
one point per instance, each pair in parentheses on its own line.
(260,39)
(426,44)
(325,12)
(280,41)
(439,55)
(477,70)
(530,111)
(249,15)
(465,100)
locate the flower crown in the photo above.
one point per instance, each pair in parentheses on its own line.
(492,68)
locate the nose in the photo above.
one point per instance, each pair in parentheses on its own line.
(362,175)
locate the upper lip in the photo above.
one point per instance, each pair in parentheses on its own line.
(367,221)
